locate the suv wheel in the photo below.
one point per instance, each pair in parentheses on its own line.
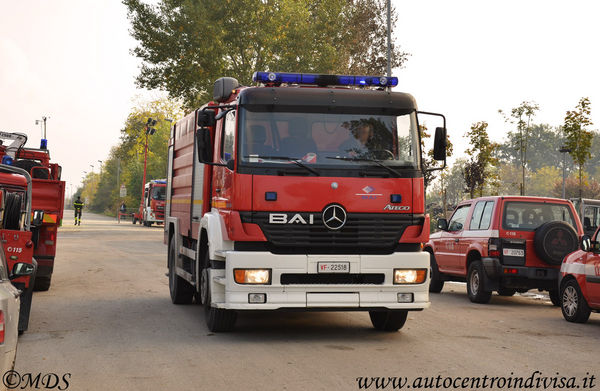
(476,288)
(573,305)
(436,284)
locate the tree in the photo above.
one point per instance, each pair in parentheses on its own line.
(591,188)
(185,45)
(510,183)
(578,138)
(125,163)
(542,181)
(477,169)
(517,116)
(543,146)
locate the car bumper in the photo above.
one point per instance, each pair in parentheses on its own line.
(320,296)
(526,277)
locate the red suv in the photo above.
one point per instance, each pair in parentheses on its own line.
(579,281)
(504,244)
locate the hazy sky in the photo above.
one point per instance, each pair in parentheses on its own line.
(69,60)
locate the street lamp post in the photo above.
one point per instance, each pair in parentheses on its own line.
(149,130)
(564,151)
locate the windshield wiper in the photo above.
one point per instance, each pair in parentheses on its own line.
(362,159)
(294,160)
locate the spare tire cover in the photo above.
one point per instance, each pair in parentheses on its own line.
(554,240)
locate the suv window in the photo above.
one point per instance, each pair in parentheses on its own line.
(591,218)
(482,215)
(457,221)
(528,216)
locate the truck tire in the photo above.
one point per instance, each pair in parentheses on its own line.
(217,319)
(12,211)
(553,240)
(388,320)
(181,291)
(476,288)
(42,283)
(436,284)
(574,306)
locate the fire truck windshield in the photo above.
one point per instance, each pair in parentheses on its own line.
(324,140)
(159,193)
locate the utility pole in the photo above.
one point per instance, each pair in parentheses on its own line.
(389,38)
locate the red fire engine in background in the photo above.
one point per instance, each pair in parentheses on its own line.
(152,207)
(305,192)
(15,234)
(48,195)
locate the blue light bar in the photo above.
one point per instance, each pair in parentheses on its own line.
(7,160)
(324,80)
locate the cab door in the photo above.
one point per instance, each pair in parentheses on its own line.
(448,252)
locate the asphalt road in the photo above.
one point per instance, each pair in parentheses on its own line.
(107,323)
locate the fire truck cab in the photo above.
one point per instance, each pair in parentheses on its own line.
(304,192)
(152,209)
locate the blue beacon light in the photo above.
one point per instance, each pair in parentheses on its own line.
(323,80)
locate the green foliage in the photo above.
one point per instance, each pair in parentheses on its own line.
(185,45)
(125,163)
(578,138)
(477,170)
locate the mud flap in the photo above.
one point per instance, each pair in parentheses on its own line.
(491,275)
(26,298)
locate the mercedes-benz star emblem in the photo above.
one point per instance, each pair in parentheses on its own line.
(334,217)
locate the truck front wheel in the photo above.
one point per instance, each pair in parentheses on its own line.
(181,291)
(388,320)
(217,319)
(436,284)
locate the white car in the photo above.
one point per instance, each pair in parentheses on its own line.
(9,311)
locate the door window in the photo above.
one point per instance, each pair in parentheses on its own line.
(457,221)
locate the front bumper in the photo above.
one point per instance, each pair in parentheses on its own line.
(333,296)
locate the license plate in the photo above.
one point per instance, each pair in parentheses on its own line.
(513,252)
(333,267)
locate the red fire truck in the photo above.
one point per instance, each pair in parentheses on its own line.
(15,234)
(302,193)
(47,199)
(152,208)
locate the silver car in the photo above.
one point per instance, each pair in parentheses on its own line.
(9,311)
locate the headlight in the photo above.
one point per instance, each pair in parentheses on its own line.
(252,276)
(410,276)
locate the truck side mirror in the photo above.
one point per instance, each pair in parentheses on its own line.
(442,224)
(439,144)
(206,118)
(38,217)
(204,145)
